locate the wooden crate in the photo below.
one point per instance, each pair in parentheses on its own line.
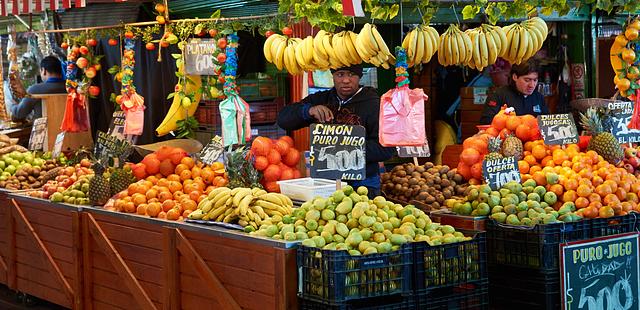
(45,258)
(451,155)
(5,209)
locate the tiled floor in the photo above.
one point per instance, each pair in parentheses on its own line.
(10,300)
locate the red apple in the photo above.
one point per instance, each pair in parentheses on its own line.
(634,162)
(83,50)
(222,43)
(213,32)
(92,42)
(94,90)
(113,42)
(64,45)
(287,31)
(82,62)
(269,33)
(150,46)
(222,57)
(90,72)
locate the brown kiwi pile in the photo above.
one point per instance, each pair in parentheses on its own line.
(428,184)
(30,177)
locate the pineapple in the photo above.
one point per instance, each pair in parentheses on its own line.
(240,170)
(494,149)
(120,179)
(99,189)
(602,142)
(512,147)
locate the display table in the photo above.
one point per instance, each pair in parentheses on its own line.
(84,257)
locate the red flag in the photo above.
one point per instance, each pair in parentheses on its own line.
(80,3)
(15,7)
(66,4)
(39,5)
(3,7)
(352,8)
(54,5)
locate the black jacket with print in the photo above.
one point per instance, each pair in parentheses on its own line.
(533,104)
(363,109)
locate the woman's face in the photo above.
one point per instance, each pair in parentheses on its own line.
(526,84)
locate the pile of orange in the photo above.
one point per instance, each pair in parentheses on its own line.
(172,197)
(276,159)
(596,187)
(476,147)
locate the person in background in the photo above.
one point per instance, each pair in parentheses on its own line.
(346,103)
(53,83)
(521,94)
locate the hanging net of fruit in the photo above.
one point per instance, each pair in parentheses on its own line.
(76,118)
(234,111)
(625,61)
(132,103)
(402,110)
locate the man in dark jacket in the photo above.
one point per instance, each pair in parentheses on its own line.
(346,103)
(51,74)
(521,94)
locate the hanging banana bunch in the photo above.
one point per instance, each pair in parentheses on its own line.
(421,44)
(372,48)
(525,39)
(489,42)
(455,47)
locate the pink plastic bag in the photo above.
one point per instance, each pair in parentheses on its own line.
(402,117)
(134,121)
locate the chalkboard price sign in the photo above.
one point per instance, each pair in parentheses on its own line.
(558,129)
(337,152)
(414,151)
(212,151)
(498,172)
(601,274)
(621,116)
(116,128)
(110,146)
(57,146)
(200,57)
(38,135)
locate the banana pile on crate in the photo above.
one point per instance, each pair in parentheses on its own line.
(245,206)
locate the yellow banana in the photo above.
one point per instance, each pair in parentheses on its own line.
(258,210)
(177,112)
(524,42)
(441,49)
(333,60)
(475,53)
(266,48)
(229,218)
(453,47)
(428,47)
(275,45)
(351,48)
(412,47)
(279,56)
(237,197)
(290,58)
(363,52)
(222,201)
(419,53)
(339,48)
(352,38)
(533,43)
(504,44)
(491,47)
(484,52)
(215,213)
(368,40)
(221,194)
(267,205)
(307,50)
(216,191)
(433,36)
(318,48)
(462,49)
(299,56)
(243,206)
(514,39)
(196,215)
(382,46)
(205,205)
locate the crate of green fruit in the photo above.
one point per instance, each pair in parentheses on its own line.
(336,276)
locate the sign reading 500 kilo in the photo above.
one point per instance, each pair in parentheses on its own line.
(337,152)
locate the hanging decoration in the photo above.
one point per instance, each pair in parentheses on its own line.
(131,103)
(15,84)
(75,117)
(234,111)
(625,61)
(402,110)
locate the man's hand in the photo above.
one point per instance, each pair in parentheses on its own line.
(321,113)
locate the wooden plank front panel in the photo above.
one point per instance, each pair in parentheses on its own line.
(5,204)
(247,271)
(140,246)
(54,228)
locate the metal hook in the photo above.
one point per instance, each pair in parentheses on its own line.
(453,6)
(353,21)
(401,21)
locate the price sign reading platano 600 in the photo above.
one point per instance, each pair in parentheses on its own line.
(558,129)
(498,172)
(337,152)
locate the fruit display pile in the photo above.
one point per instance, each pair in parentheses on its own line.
(59,179)
(505,137)
(624,57)
(276,159)
(429,184)
(249,207)
(26,170)
(349,220)
(631,161)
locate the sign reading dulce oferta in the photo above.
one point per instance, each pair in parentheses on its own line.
(558,129)
(621,113)
(337,152)
(200,57)
(498,172)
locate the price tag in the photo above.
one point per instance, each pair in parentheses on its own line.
(601,273)
(57,146)
(110,146)
(498,172)
(558,129)
(337,152)
(414,151)
(38,134)
(212,151)
(116,128)
(200,57)
(620,117)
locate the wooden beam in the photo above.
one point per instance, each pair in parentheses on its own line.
(139,294)
(87,264)
(214,284)
(66,287)
(285,282)
(11,260)
(77,259)
(171,270)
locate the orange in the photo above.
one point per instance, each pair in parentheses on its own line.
(168,205)
(163,182)
(138,199)
(153,209)
(583,190)
(261,146)
(219,181)
(499,121)
(595,204)
(606,211)
(129,207)
(613,185)
(132,189)
(569,196)
(530,160)
(194,195)
(603,190)
(557,189)
(142,209)
(632,197)
(173,214)
(164,196)
(189,204)
(180,168)
(174,177)
(611,200)
(185,175)
(196,172)
(581,202)
(535,168)
(570,184)
(559,156)
(539,152)
(188,161)
(177,195)
(590,212)
(175,186)
(207,175)
(594,197)
(217,166)
(540,178)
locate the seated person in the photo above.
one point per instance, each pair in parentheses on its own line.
(51,73)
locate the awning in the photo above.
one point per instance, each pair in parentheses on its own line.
(17,7)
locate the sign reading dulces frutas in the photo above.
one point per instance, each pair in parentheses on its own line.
(498,172)
(558,129)
(601,273)
(200,57)
(621,113)
(337,152)
(414,151)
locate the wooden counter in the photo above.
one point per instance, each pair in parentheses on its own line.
(116,260)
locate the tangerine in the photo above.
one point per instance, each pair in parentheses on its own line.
(261,163)
(581,202)
(492,131)
(274,157)
(523,166)
(272,187)
(470,156)
(590,212)
(138,199)
(196,172)
(153,209)
(177,195)
(287,139)
(173,214)
(606,212)
(194,195)
(168,205)
(584,190)
(188,161)
(185,175)
(272,173)
(513,122)
(177,155)
(282,147)
(162,215)
(569,196)
(523,132)
(499,121)
(189,204)
(166,167)
(539,152)
(261,146)
(142,209)
(287,174)
(164,196)
(292,158)
(219,181)
(129,207)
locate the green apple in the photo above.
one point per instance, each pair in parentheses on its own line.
(10,169)
(28,158)
(17,155)
(2,164)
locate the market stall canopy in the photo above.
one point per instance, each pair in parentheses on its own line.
(17,7)
(228,8)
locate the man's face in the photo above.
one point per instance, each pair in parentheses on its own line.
(346,83)
(526,84)
(43,74)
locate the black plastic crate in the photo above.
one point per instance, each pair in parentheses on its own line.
(335,276)
(602,227)
(468,296)
(451,264)
(397,302)
(523,288)
(531,247)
